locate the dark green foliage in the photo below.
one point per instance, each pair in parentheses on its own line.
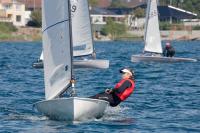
(93,2)
(192,5)
(104,31)
(164,26)
(139,12)
(7,27)
(114,29)
(36,17)
(168,26)
(117,3)
(196,27)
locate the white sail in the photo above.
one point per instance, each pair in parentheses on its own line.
(56,46)
(81,28)
(152,33)
(41,56)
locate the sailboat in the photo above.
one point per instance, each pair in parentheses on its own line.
(153,47)
(58,68)
(82,38)
(39,63)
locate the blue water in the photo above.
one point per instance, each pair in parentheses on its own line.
(166,98)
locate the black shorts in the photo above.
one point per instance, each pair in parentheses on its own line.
(111,98)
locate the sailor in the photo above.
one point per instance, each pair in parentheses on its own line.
(168,51)
(122,90)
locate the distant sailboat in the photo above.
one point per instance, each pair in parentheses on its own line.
(58,68)
(82,38)
(153,47)
(39,63)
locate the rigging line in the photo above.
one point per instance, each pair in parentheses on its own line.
(55,25)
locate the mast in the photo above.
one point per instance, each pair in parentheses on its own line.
(71,42)
(71,38)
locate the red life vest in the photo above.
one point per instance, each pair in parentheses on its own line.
(125,94)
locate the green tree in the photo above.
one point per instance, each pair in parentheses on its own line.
(163,2)
(93,2)
(117,3)
(114,29)
(7,27)
(139,12)
(36,17)
(192,6)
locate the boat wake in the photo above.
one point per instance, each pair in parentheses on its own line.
(116,116)
(23,117)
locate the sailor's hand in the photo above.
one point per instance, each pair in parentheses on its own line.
(108,91)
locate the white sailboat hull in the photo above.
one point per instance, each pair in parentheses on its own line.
(145,58)
(72,109)
(101,64)
(38,65)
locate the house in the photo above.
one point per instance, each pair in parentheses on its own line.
(31,4)
(14,12)
(101,15)
(171,13)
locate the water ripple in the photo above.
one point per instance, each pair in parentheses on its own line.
(166,98)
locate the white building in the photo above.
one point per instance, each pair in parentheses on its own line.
(99,16)
(13,11)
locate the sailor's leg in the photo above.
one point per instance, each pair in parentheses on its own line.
(168,54)
(173,53)
(104,96)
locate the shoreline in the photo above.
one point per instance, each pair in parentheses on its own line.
(28,34)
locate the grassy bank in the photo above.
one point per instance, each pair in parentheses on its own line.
(129,37)
(10,37)
(8,32)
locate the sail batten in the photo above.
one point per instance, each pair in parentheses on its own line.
(81,27)
(55,24)
(152,32)
(56,47)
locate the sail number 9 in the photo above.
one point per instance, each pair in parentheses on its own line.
(73,8)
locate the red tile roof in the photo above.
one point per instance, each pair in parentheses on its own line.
(101,3)
(31,3)
(5,1)
(104,3)
(133,3)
